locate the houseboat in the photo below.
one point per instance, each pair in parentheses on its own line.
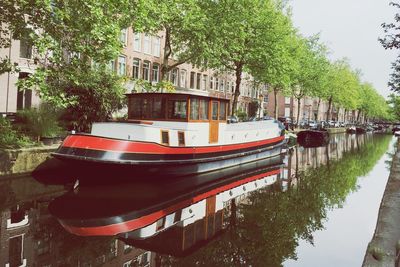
(174,133)
(142,209)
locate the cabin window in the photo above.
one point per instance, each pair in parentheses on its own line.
(203,109)
(194,108)
(158,107)
(135,108)
(222,111)
(181,138)
(177,109)
(165,138)
(146,108)
(214,115)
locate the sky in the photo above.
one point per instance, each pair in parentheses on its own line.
(350,28)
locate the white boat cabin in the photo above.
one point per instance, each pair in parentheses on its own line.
(177,119)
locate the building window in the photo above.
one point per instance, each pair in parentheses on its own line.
(136,42)
(156,49)
(198,81)
(287,112)
(216,84)
(222,86)
(155,73)
(183,78)
(123,37)
(136,68)
(174,76)
(287,100)
(181,138)
(192,77)
(211,83)
(233,87)
(121,65)
(147,44)
(165,138)
(24,97)
(146,70)
(266,98)
(204,83)
(111,65)
(25,49)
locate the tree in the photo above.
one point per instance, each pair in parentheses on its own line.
(392,41)
(276,71)
(186,33)
(308,70)
(243,33)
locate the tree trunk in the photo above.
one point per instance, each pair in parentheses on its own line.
(319,103)
(167,52)
(275,104)
(344,115)
(358,116)
(298,112)
(238,73)
(328,113)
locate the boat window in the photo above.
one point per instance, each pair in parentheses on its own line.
(135,107)
(194,108)
(158,107)
(214,110)
(181,138)
(203,109)
(146,108)
(222,111)
(177,109)
(164,138)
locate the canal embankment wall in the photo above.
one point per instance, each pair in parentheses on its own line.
(24,160)
(384,248)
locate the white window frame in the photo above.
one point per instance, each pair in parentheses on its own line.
(183,78)
(120,64)
(155,73)
(137,44)
(148,70)
(124,37)
(137,67)
(156,46)
(147,44)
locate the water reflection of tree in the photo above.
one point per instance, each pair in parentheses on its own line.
(272,222)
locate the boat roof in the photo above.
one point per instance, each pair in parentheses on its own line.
(181,93)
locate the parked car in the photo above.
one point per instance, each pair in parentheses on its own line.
(232,119)
(312,124)
(303,123)
(323,124)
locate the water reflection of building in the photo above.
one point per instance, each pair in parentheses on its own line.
(300,159)
(30,236)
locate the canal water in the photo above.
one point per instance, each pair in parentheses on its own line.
(310,207)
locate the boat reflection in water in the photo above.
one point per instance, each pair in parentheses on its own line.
(192,209)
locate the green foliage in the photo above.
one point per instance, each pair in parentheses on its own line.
(40,122)
(145,86)
(241,114)
(94,93)
(244,35)
(10,138)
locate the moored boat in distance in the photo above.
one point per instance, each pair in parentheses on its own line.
(312,138)
(174,134)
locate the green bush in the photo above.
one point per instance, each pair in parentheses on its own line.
(242,115)
(10,138)
(39,122)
